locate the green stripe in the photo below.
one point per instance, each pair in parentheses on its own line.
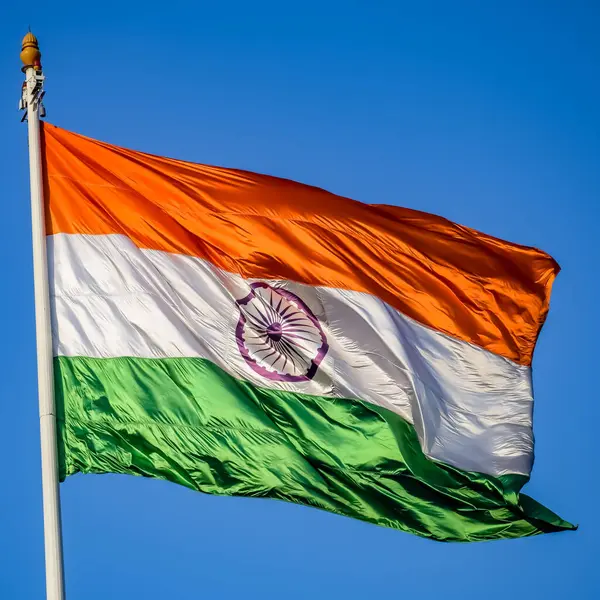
(187,421)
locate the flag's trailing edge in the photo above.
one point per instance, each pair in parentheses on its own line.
(246,335)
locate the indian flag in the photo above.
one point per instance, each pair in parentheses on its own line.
(246,335)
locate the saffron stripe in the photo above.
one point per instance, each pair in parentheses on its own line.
(456,280)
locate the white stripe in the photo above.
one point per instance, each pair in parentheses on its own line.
(472,409)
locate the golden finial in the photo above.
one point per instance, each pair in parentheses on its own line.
(30,53)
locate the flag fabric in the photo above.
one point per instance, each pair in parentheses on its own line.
(246,335)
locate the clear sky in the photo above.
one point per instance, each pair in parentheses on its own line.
(484,112)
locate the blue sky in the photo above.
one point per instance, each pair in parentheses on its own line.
(484,112)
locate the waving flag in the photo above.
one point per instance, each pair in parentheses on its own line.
(246,335)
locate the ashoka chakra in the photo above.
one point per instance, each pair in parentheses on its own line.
(278,335)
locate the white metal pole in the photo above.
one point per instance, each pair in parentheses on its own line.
(51,497)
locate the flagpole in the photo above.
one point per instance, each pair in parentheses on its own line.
(31,102)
